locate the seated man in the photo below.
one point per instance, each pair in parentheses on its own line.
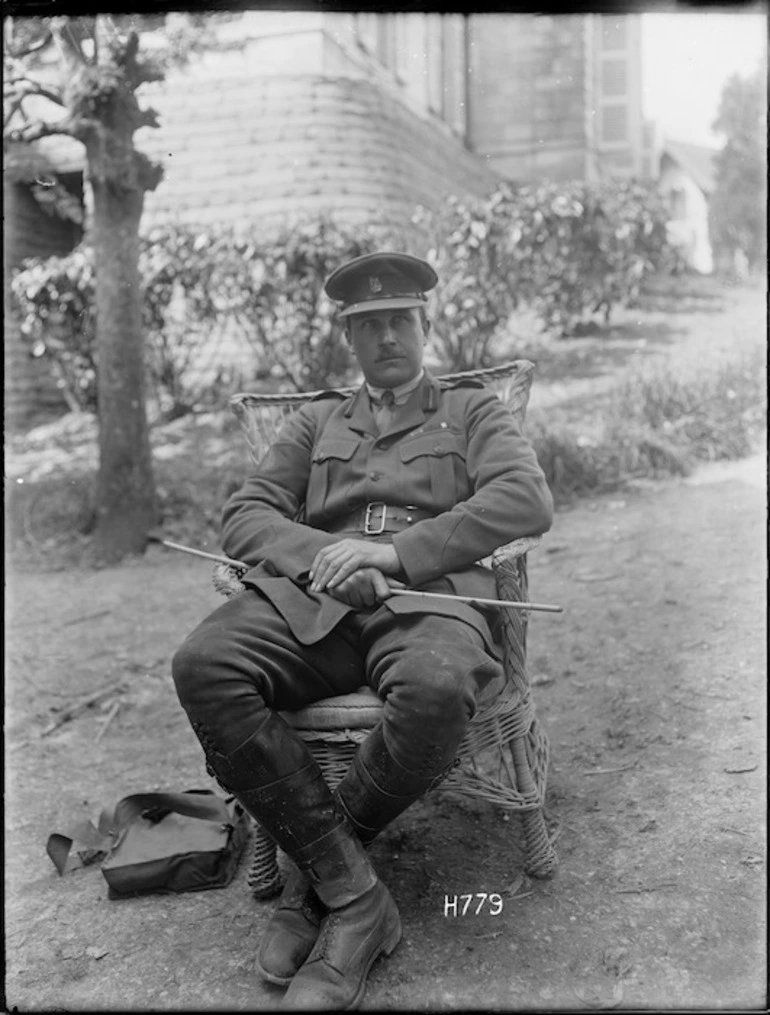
(410,480)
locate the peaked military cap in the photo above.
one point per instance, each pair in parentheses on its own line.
(380,282)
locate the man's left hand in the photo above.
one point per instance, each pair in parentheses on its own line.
(334,564)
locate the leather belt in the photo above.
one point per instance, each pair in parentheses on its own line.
(377,518)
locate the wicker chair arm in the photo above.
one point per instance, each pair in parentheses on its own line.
(506,554)
(227,579)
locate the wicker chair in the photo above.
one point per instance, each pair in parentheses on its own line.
(504,755)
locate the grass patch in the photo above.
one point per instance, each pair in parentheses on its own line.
(49,505)
(659,421)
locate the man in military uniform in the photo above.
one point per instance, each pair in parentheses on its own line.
(410,480)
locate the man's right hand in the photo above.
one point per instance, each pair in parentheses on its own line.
(363,589)
(338,561)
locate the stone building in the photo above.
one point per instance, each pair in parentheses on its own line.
(367,115)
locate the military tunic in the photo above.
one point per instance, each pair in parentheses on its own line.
(453,453)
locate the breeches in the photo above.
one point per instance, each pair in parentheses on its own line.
(242,661)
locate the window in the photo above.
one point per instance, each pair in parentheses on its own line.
(614,78)
(615,124)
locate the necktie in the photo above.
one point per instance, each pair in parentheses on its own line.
(384,411)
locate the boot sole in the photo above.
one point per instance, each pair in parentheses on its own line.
(388,947)
(279,981)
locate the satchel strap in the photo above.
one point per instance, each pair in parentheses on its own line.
(93,843)
(155,806)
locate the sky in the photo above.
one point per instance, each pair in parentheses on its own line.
(686,59)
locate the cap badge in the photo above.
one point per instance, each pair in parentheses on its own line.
(375,285)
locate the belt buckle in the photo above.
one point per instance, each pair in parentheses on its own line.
(368,530)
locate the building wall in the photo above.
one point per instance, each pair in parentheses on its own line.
(617,107)
(266,148)
(417,58)
(556,97)
(526,95)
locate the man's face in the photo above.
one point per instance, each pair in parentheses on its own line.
(388,344)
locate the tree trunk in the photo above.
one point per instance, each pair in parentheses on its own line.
(125,487)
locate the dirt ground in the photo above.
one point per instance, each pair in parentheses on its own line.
(651,686)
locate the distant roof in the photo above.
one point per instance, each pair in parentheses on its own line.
(697,160)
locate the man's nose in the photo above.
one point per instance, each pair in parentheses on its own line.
(388,335)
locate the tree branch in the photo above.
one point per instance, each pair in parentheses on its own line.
(35,88)
(147,118)
(18,53)
(14,104)
(67,43)
(147,71)
(35,131)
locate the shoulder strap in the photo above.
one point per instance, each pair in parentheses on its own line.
(331,393)
(461,382)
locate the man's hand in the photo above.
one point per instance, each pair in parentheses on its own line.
(365,587)
(334,564)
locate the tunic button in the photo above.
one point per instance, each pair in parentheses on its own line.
(438,450)
(374,476)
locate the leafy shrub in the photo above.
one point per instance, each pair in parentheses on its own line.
(658,422)
(567,250)
(207,295)
(56,298)
(273,292)
(222,305)
(715,412)
(571,468)
(476,296)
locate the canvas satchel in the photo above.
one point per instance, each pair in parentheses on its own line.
(159,842)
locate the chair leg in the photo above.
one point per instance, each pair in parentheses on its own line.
(264,877)
(539,857)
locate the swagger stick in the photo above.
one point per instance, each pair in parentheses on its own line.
(506,603)
(509,603)
(198,553)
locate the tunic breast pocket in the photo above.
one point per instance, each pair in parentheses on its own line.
(330,471)
(438,457)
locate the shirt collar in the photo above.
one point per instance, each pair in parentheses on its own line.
(401,393)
